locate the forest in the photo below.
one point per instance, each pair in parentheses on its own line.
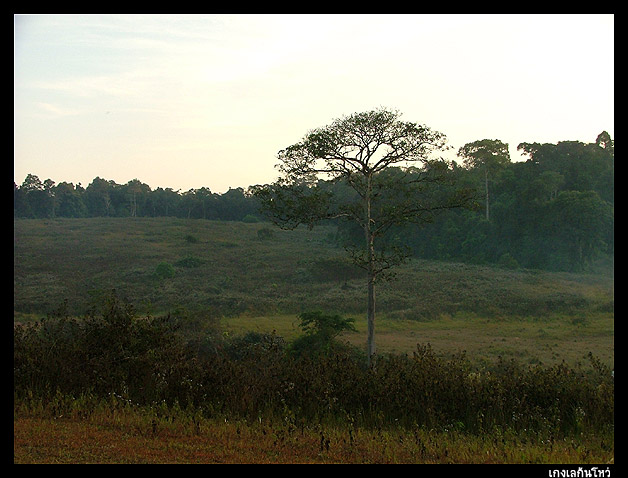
(553,211)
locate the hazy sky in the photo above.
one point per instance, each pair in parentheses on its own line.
(190,101)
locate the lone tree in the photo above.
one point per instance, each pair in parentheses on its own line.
(371,169)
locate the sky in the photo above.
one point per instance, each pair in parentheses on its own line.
(191,101)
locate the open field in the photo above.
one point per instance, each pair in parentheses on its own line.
(533,341)
(233,276)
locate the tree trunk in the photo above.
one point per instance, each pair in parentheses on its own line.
(370,308)
(486,187)
(370,245)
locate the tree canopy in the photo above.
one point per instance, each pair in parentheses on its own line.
(387,177)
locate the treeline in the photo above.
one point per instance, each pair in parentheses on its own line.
(106,198)
(555,210)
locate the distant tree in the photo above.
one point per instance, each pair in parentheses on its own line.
(137,193)
(165,202)
(69,200)
(548,184)
(49,188)
(205,199)
(234,205)
(98,198)
(32,183)
(584,167)
(388,180)
(38,196)
(188,203)
(487,155)
(20,203)
(580,222)
(605,142)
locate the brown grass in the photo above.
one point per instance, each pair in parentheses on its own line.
(134,439)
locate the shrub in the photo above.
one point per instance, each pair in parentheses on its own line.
(507,261)
(265,234)
(145,360)
(164,271)
(107,352)
(321,331)
(189,262)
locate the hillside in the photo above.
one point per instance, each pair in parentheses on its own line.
(209,270)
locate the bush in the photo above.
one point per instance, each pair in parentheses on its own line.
(107,352)
(321,331)
(507,262)
(144,360)
(189,262)
(265,234)
(164,271)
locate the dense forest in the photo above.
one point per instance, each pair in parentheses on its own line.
(554,210)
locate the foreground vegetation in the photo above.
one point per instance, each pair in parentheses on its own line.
(70,367)
(114,432)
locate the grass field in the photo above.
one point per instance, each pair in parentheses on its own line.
(231,275)
(533,341)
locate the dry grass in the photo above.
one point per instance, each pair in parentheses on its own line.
(131,437)
(548,340)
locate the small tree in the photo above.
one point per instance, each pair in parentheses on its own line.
(382,175)
(321,331)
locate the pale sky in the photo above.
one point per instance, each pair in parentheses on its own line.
(191,101)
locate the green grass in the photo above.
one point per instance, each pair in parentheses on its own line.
(227,271)
(534,341)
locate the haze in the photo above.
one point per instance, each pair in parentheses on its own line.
(191,101)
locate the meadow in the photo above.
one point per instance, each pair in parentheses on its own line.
(224,280)
(253,277)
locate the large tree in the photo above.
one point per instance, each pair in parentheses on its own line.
(372,169)
(487,156)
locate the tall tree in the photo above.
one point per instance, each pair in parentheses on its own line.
(38,196)
(605,142)
(389,178)
(137,192)
(98,197)
(580,222)
(69,200)
(489,156)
